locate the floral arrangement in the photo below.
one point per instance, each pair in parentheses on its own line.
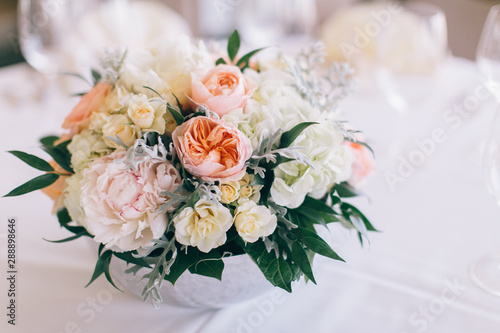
(175,160)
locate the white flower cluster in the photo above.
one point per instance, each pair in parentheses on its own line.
(276,104)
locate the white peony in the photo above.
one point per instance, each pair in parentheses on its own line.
(121,205)
(203,226)
(166,68)
(253,221)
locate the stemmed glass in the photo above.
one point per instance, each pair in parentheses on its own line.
(263,22)
(411,51)
(485,271)
(42,27)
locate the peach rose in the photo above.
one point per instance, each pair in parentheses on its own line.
(211,149)
(222,89)
(55,190)
(363,164)
(91,102)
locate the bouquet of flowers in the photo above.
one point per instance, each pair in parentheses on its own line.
(176,159)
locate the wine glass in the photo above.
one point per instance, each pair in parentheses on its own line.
(410,51)
(485,271)
(41,26)
(289,22)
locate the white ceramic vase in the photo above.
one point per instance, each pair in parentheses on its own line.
(241,280)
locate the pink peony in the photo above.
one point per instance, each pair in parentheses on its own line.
(222,89)
(211,149)
(121,205)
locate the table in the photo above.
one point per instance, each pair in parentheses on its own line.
(413,277)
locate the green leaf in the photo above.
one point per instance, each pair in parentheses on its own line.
(344,190)
(317,205)
(351,210)
(179,119)
(34,184)
(220,61)
(209,264)
(301,259)
(149,88)
(64,220)
(75,236)
(181,264)
(316,244)
(245,60)
(178,103)
(318,211)
(102,266)
(276,270)
(129,258)
(32,160)
(63,217)
(233,45)
(48,141)
(288,137)
(76,75)
(312,217)
(64,160)
(96,76)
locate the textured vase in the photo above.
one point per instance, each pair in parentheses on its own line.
(241,280)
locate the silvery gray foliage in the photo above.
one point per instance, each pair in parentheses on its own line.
(141,152)
(280,214)
(324,93)
(161,267)
(209,191)
(271,246)
(176,198)
(266,152)
(112,63)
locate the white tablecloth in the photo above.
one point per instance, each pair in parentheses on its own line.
(412,278)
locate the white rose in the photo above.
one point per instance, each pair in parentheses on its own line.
(114,99)
(140,111)
(119,124)
(247,191)
(230,191)
(203,226)
(121,205)
(148,116)
(253,221)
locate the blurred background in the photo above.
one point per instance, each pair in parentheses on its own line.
(217,18)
